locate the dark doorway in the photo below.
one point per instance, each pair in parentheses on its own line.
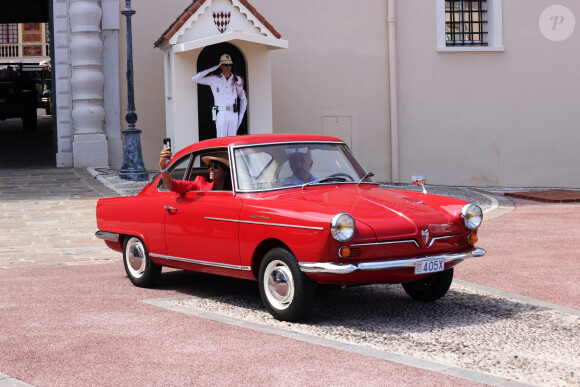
(209,57)
(26,144)
(25,11)
(27,149)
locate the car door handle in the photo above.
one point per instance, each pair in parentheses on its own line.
(172,210)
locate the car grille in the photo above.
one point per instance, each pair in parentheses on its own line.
(408,247)
(449,242)
(355,252)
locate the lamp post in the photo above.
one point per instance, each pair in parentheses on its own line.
(133,167)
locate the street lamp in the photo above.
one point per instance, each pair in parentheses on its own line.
(133,167)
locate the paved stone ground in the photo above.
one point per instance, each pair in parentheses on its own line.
(47,215)
(471,328)
(47,218)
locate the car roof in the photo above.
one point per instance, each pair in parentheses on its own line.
(254,139)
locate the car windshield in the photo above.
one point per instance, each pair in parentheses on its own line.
(268,167)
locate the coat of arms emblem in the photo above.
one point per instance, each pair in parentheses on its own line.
(221,20)
(425,235)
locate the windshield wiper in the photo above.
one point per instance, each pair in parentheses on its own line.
(368,174)
(324,180)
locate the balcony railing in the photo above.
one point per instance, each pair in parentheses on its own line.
(20,52)
(9,50)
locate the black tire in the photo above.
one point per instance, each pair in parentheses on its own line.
(286,291)
(430,288)
(138,265)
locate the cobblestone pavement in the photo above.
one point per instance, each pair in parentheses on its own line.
(47,215)
(47,218)
(471,328)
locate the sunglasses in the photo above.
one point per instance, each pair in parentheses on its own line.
(214,165)
(227,64)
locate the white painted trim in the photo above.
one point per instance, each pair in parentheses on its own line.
(495,29)
(470,49)
(266,33)
(253,19)
(169,68)
(231,37)
(187,25)
(393,92)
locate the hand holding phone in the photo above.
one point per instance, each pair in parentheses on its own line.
(167,143)
(165,154)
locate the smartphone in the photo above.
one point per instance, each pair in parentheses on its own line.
(167,143)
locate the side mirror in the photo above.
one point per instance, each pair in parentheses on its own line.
(419,181)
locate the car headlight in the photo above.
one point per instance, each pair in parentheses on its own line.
(342,227)
(472,216)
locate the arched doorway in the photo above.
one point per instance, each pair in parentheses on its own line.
(209,57)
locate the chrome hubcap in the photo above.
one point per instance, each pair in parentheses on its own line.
(279,285)
(135,257)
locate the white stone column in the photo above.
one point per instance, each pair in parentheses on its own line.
(111,26)
(90,148)
(62,94)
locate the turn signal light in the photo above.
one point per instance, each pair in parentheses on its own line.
(472,239)
(344,252)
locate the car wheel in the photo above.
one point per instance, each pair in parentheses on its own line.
(286,291)
(140,269)
(430,288)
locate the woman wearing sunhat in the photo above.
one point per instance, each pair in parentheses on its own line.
(218,167)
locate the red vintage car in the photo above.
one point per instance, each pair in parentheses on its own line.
(301,212)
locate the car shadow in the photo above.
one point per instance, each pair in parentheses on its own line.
(383,307)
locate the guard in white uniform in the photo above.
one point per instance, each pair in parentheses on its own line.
(226,88)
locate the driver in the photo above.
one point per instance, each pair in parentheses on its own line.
(300,163)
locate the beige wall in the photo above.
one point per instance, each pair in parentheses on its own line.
(507,118)
(336,65)
(472,118)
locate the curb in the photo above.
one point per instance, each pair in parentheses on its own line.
(501,205)
(7,381)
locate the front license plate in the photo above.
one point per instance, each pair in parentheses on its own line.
(430,266)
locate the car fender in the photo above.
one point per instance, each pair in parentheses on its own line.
(143,217)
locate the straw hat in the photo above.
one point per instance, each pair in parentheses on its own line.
(222,157)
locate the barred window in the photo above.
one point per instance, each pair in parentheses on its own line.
(466,23)
(8,33)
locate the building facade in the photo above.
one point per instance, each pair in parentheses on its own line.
(24,42)
(464,92)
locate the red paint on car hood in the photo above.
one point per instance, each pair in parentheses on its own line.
(390,213)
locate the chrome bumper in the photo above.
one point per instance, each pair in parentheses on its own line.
(107,236)
(347,268)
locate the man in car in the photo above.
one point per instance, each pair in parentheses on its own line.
(300,163)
